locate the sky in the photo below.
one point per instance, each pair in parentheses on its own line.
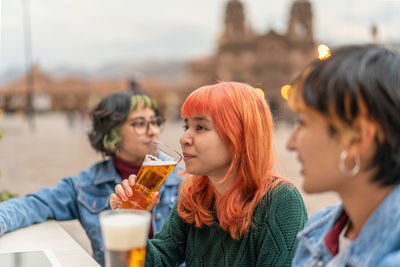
(87,34)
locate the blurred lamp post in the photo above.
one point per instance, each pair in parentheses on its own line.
(29,109)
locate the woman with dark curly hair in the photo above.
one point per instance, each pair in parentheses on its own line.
(124,124)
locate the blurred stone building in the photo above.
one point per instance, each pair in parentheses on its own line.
(267,61)
(73,93)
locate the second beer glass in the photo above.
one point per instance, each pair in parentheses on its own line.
(125,235)
(157,165)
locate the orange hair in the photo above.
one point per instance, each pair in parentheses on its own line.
(243,120)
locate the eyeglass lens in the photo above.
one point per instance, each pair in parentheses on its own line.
(141,126)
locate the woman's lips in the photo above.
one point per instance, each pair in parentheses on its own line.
(187,156)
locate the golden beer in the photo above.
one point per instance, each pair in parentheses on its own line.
(124,236)
(150,177)
(159,162)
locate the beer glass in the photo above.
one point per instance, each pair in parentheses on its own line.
(159,162)
(125,236)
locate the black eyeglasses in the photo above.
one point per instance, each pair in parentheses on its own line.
(141,125)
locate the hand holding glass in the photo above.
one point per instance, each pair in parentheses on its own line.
(157,165)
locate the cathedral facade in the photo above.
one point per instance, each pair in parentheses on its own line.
(266,61)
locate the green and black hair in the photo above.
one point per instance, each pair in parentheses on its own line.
(110,114)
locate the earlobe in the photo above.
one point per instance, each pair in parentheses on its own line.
(365,141)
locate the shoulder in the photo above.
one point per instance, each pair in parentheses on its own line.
(283,194)
(282,205)
(97,173)
(320,222)
(280,215)
(390,260)
(330,211)
(96,167)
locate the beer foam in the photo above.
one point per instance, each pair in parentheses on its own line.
(122,232)
(153,161)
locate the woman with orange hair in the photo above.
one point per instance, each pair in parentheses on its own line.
(232,209)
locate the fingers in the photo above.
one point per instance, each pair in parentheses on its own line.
(132,179)
(115,201)
(124,190)
(127,188)
(120,192)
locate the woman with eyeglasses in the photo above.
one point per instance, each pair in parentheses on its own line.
(123,126)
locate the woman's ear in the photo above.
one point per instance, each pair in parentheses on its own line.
(364,140)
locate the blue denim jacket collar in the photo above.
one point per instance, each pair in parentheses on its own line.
(310,236)
(107,173)
(377,231)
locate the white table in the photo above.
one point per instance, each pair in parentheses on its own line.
(50,236)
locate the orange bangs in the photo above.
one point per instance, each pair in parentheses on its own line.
(242,119)
(196,104)
(216,101)
(225,103)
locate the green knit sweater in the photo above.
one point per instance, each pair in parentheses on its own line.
(279,216)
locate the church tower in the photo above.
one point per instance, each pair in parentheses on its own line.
(235,29)
(300,23)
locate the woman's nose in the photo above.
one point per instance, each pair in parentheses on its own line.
(152,129)
(185,139)
(291,142)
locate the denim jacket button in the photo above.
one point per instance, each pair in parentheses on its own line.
(158,216)
(320,264)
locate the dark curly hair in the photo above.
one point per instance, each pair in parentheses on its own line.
(110,114)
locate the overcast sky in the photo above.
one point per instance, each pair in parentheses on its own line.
(89,33)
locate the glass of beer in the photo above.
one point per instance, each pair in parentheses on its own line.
(125,236)
(159,162)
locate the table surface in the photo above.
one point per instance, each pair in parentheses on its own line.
(48,235)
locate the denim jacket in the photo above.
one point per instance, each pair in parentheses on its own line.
(378,243)
(81,197)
